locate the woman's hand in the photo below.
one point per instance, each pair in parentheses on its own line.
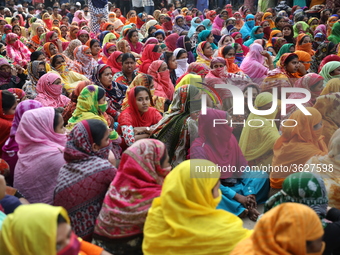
(14,71)
(247,201)
(265,54)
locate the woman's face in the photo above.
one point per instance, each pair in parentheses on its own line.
(270,17)
(286,31)
(180,22)
(208,51)
(80,16)
(64,20)
(82,24)
(56,23)
(210,38)
(75,31)
(53,49)
(292,49)
(102,100)
(128,66)
(161,19)
(63,31)
(113,41)
(106,78)
(172,63)
(198,20)
(41,68)
(111,49)
(40,31)
(293,66)
(16,22)
(95,48)
(59,61)
(60,129)
(54,36)
(259,30)
(109,28)
(230,54)
(183,55)
(314,22)
(17,31)
(279,35)
(63,235)
(281,23)
(306,39)
(134,37)
(163,67)
(11,111)
(265,24)
(120,58)
(305,19)
(254,95)
(218,65)
(238,36)
(88,52)
(142,101)
(335,72)
(228,40)
(118,13)
(160,38)
(84,38)
(200,29)
(317,87)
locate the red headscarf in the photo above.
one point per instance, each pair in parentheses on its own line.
(148,57)
(162,80)
(112,62)
(328,59)
(171,40)
(131,115)
(210,14)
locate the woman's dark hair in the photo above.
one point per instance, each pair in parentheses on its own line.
(15,27)
(163,158)
(303,38)
(55,59)
(101,73)
(141,88)
(8,100)
(101,93)
(180,53)
(300,18)
(149,78)
(258,29)
(155,49)
(61,219)
(93,41)
(35,55)
(251,86)
(150,29)
(130,33)
(290,58)
(236,46)
(159,33)
(198,27)
(167,56)
(14,19)
(226,50)
(98,129)
(57,114)
(127,56)
(278,19)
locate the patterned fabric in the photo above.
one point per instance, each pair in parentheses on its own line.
(128,134)
(122,79)
(142,80)
(325,48)
(71,47)
(179,29)
(304,188)
(5,78)
(138,181)
(329,107)
(201,58)
(97,7)
(17,51)
(173,128)
(84,180)
(83,63)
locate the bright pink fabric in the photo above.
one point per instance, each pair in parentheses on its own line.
(163,85)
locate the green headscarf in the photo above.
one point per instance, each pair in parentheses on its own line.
(304,188)
(284,49)
(203,36)
(335,34)
(305,28)
(327,69)
(108,37)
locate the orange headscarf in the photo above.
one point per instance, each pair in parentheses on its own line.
(271,22)
(272,34)
(283,230)
(307,47)
(232,67)
(304,57)
(296,145)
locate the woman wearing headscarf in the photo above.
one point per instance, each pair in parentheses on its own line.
(39,137)
(274,33)
(83,61)
(133,40)
(303,140)
(119,227)
(71,47)
(286,48)
(170,41)
(277,232)
(49,89)
(303,42)
(180,27)
(86,155)
(117,23)
(330,71)
(195,68)
(108,50)
(332,20)
(324,49)
(181,57)
(11,148)
(119,15)
(204,53)
(234,185)
(150,53)
(288,33)
(248,26)
(208,36)
(228,53)
(53,233)
(237,36)
(311,82)
(115,61)
(282,76)
(301,27)
(95,48)
(184,42)
(161,74)
(331,86)
(239,20)
(220,20)
(305,60)
(17,51)
(177,128)
(268,16)
(36,31)
(195,22)
(137,119)
(334,37)
(256,33)
(177,190)
(328,106)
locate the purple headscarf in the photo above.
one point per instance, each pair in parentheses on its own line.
(181,44)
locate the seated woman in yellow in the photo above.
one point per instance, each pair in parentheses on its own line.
(69,78)
(184,219)
(257,141)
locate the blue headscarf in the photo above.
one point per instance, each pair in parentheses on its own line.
(193,27)
(253,36)
(248,26)
(206,23)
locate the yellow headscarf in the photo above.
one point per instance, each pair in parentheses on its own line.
(257,141)
(175,219)
(192,79)
(31,230)
(283,230)
(332,86)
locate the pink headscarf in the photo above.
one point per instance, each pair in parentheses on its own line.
(252,64)
(49,94)
(163,85)
(40,155)
(171,40)
(76,18)
(221,150)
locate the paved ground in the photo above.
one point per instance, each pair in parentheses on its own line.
(249,224)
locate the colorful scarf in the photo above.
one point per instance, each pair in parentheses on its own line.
(17,51)
(83,63)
